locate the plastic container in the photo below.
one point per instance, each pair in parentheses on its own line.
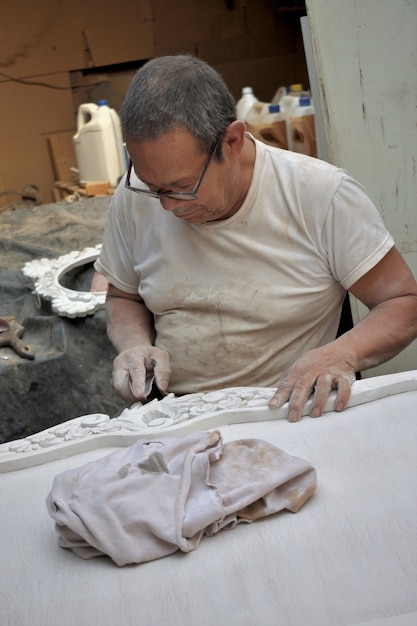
(98,144)
(301,128)
(298,91)
(247,100)
(288,104)
(295,89)
(268,123)
(280,92)
(289,98)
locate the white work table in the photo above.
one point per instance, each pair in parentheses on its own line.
(349,556)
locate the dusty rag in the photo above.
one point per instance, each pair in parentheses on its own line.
(156,497)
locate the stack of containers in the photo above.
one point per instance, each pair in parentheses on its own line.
(288,122)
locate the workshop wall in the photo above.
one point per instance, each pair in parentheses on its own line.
(55,55)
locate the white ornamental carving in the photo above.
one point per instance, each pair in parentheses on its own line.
(45,276)
(177,416)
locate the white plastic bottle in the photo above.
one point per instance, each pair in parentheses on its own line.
(301,128)
(98,144)
(267,123)
(245,103)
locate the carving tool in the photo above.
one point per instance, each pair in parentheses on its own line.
(10,333)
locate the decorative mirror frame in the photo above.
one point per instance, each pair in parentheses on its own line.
(44,275)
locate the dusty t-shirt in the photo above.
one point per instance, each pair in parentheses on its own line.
(237,301)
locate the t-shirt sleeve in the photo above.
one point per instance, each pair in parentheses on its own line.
(115,260)
(354,234)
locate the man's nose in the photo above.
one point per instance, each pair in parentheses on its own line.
(169,204)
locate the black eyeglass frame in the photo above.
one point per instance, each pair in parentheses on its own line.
(174,195)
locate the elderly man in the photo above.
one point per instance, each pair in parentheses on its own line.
(229,260)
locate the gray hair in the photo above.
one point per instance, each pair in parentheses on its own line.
(179,91)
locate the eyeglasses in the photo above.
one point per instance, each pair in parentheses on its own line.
(175,195)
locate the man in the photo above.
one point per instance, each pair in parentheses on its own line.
(229,260)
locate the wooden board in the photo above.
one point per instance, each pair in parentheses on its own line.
(62,151)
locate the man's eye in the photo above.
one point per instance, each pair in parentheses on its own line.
(170,189)
(184,187)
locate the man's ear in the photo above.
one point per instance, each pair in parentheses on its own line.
(235,137)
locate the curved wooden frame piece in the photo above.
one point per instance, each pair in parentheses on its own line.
(173,416)
(45,275)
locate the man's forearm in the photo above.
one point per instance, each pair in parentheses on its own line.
(384,332)
(129,323)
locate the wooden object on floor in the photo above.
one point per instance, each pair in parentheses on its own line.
(64,164)
(65,189)
(98,188)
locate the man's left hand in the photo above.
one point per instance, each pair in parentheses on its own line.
(314,373)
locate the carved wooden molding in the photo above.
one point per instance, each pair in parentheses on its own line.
(45,276)
(176,416)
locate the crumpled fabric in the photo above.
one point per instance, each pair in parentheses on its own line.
(155,497)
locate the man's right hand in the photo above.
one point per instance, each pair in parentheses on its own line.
(130,328)
(133,368)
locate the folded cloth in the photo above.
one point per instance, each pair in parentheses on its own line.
(156,497)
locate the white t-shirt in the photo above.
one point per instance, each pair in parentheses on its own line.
(236,302)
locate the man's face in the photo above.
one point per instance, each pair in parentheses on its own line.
(174,163)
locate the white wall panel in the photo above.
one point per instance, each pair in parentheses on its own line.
(365,54)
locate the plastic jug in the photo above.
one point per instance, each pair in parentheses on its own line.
(98,144)
(245,103)
(301,128)
(295,89)
(288,104)
(268,123)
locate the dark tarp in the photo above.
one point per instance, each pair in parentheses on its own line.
(71,372)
